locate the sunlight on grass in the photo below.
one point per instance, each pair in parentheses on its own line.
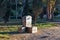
(4,36)
(14,28)
(45,25)
(10,28)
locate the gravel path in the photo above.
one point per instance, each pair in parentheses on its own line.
(52,33)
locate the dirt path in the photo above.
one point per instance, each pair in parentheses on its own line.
(52,33)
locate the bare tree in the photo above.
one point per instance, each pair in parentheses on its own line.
(37,9)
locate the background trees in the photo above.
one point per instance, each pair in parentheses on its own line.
(32,7)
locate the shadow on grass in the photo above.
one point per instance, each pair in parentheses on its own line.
(12,32)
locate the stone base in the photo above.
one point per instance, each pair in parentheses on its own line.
(31,29)
(22,29)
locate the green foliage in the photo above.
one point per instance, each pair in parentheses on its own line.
(44,1)
(56,13)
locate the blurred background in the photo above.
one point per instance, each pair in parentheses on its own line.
(12,11)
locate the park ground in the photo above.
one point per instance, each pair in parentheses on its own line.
(44,33)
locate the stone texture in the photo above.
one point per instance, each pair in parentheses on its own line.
(34,29)
(31,29)
(27,21)
(22,29)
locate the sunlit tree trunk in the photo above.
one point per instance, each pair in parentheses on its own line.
(50,9)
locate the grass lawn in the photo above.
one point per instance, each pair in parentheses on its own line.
(14,28)
(4,36)
(45,25)
(10,28)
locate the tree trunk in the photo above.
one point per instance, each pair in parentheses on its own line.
(37,9)
(50,9)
